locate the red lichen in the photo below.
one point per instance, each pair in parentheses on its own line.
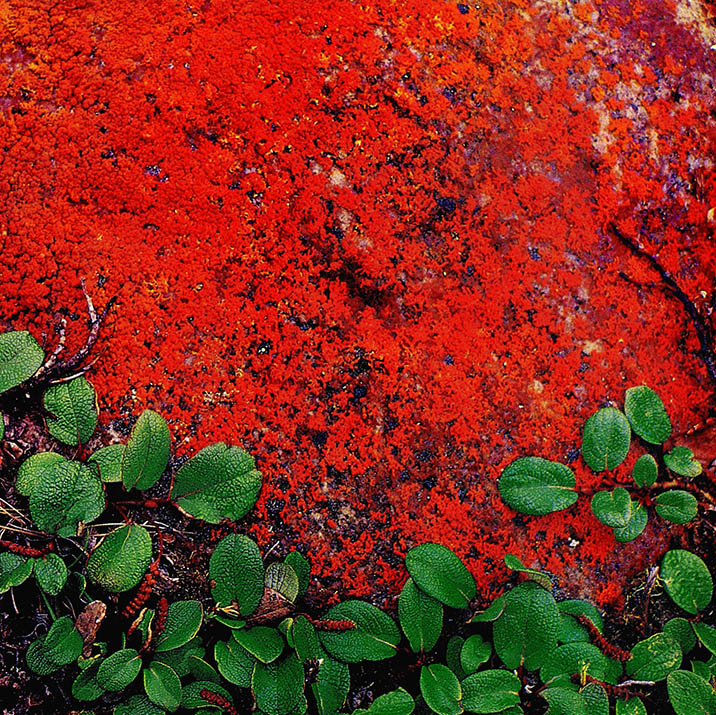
(368,243)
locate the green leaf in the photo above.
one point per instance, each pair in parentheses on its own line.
(69,494)
(138,705)
(235,663)
(191,694)
(278,686)
(121,559)
(527,630)
(85,686)
(280,577)
(51,573)
(305,639)
(438,572)
(184,619)
(574,659)
(515,563)
(563,701)
(491,613)
(202,670)
(397,702)
(645,471)
(20,358)
(264,643)
(220,482)
(689,694)
(162,686)
(490,691)
(636,524)
(475,651)
(333,682)
(73,406)
(654,658)
(570,630)
(536,486)
(237,573)
(120,669)
(687,580)
(375,636)
(59,646)
(14,570)
(179,659)
(647,414)
(681,461)
(613,508)
(109,462)
(596,699)
(681,631)
(700,668)
(421,617)
(676,506)
(453,650)
(441,689)
(606,438)
(706,635)
(301,567)
(34,471)
(146,454)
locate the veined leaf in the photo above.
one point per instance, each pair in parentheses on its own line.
(536,486)
(73,406)
(645,471)
(146,454)
(237,573)
(647,414)
(121,558)
(34,470)
(681,461)
(676,506)
(20,358)
(437,571)
(613,508)
(490,691)
(606,439)
(441,689)
(421,617)
(687,580)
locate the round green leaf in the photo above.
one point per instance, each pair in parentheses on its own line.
(146,454)
(183,622)
(235,663)
(59,646)
(606,438)
(191,694)
(613,508)
(109,462)
(278,686)
(490,691)
(706,635)
(687,580)
(654,658)
(475,651)
(636,524)
(681,631)
(647,414)
(689,694)
(120,669)
(162,686)
(375,636)
(121,559)
(14,570)
(681,461)
(527,630)
(20,358)
(68,495)
(645,471)
(333,681)
(398,702)
(570,630)
(676,506)
(73,409)
(438,572)
(51,573)
(34,470)
(220,482)
(596,699)
(280,577)
(264,643)
(421,617)
(536,486)
(302,568)
(138,705)
(563,701)
(440,689)
(237,573)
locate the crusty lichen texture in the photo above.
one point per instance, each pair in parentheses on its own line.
(367,242)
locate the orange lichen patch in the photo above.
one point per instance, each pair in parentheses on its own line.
(356,238)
